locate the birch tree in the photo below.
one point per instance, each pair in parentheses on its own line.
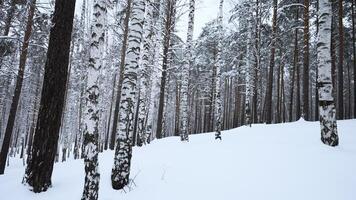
(145,73)
(93,96)
(185,74)
(327,109)
(123,151)
(218,66)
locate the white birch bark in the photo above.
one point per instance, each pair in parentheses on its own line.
(219,63)
(92,95)
(123,151)
(327,109)
(185,74)
(145,73)
(248,72)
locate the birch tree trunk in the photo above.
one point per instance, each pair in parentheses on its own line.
(327,109)
(185,74)
(145,73)
(248,74)
(219,63)
(93,96)
(123,151)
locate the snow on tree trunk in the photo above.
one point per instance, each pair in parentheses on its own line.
(145,73)
(185,74)
(248,73)
(219,63)
(327,109)
(92,95)
(123,151)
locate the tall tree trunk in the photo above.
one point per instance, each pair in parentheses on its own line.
(121,75)
(188,62)
(93,97)
(316,105)
(257,63)
(340,69)
(269,113)
(218,64)
(354,52)
(168,28)
(326,101)
(306,61)
(123,151)
(19,80)
(294,75)
(39,169)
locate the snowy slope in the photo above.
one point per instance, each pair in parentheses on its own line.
(265,162)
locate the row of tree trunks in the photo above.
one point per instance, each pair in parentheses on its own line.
(19,80)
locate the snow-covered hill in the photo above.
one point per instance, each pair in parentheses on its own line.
(265,162)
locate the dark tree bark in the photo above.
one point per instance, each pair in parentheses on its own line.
(340,69)
(306,61)
(269,113)
(39,170)
(168,28)
(316,105)
(294,76)
(19,80)
(354,52)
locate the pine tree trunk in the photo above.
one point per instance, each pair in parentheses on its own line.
(39,170)
(326,101)
(306,61)
(340,69)
(19,81)
(269,113)
(123,151)
(354,52)
(294,71)
(168,28)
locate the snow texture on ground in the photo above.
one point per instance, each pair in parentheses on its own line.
(265,162)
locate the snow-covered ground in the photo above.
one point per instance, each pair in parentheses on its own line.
(265,162)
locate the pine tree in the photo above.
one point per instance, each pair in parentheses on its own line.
(185,74)
(169,7)
(306,61)
(93,96)
(269,113)
(39,169)
(325,86)
(340,67)
(123,151)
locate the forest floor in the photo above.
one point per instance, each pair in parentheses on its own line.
(265,162)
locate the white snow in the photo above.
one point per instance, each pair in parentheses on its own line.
(265,162)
